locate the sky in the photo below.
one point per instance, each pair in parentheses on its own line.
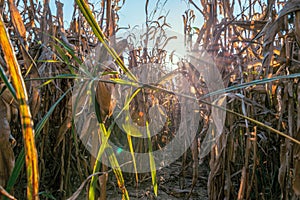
(133,12)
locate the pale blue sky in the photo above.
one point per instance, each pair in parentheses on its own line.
(133,12)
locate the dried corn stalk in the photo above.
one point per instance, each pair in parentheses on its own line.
(7,159)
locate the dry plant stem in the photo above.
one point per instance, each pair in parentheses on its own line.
(25,114)
(7,158)
(62,159)
(103,181)
(296,163)
(81,187)
(255,161)
(8,107)
(6,194)
(109,28)
(195,153)
(244,178)
(245,35)
(289,156)
(29,63)
(245,169)
(184,171)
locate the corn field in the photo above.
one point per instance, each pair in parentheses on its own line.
(51,149)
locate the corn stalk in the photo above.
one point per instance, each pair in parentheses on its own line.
(25,114)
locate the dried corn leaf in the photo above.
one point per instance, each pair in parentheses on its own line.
(297,27)
(296,181)
(17,19)
(283,167)
(7,159)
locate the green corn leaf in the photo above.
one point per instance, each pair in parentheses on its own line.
(7,83)
(21,158)
(99,34)
(118,172)
(249,84)
(131,131)
(129,139)
(152,161)
(69,50)
(104,138)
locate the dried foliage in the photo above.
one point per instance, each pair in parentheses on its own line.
(249,40)
(7,161)
(252,40)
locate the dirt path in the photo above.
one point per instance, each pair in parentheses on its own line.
(169,180)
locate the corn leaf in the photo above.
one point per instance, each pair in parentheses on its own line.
(7,83)
(21,158)
(152,162)
(25,115)
(118,172)
(99,34)
(104,138)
